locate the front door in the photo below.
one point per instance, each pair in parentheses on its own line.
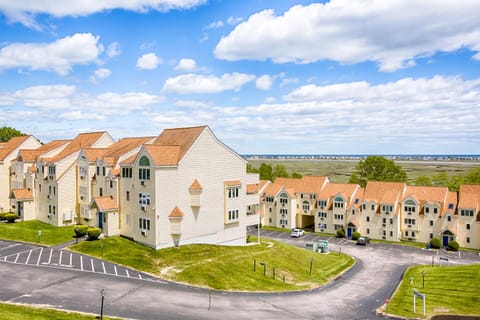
(445,241)
(19,208)
(100,220)
(349,232)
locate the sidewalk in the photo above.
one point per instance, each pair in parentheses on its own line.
(68,243)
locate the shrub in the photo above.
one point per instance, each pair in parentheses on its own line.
(356,235)
(2,215)
(93,233)
(11,217)
(340,233)
(453,245)
(435,243)
(80,230)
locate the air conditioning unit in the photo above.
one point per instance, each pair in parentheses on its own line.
(409,225)
(387,212)
(144,233)
(49,215)
(143,183)
(82,198)
(383,224)
(383,237)
(49,197)
(82,177)
(321,219)
(144,208)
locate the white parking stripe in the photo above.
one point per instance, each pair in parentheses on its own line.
(18,254)
(115,268)
(71,259)
(50,257)
(93,268)
(128,275)
(60,258)
(103,266)
(39,256)
(29,254)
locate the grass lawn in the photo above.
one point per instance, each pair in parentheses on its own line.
(27,231)
(420,245)
(448,289)
(225,267)
(15,312)
(289,230)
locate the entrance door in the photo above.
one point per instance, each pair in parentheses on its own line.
(19,208)
(445,241)
(100,220)
(349,232)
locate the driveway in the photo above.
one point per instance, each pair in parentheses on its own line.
(355,295)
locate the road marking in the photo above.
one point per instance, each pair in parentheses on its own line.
(139,276)
(29,254)
(60,258)
(11,246)
(18,254)
(81,263)
(71,259)
(50,257)
(115,268)
(128,275)
(103,266)
(91,262)
(39,256)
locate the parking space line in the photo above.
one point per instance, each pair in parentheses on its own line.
(60,258)
(39,256)
(28,257)
(128,275)
(103,266)
(50,257)
(93,267)
(115,268)
(81,262)
(16,259)
(10,246)
(71,259)
(139,276)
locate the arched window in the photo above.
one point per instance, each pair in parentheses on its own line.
(338,202)
(144,173)
(144,162)
(306,206)
(283,198)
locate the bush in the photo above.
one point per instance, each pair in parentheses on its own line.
(435,243)
(2,215)
(93,233)
(453,245)
(80,230)
(356,235)
(11,217)
(340,233)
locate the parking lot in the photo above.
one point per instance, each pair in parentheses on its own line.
(28,254)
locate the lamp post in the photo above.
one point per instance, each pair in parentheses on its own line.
(423,279)
(102,292)
(264,264)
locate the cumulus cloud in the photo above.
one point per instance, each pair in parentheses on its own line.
(59,56)
(113,50)
(391,33)
(234,20)
(148,61)
(264,82)
(214,25)
(99,74)
(25,11)
(186,65)
(194,83)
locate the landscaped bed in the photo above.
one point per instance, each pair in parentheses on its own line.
(226,267)
(448,289)
(35,231)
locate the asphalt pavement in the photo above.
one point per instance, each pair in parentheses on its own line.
(354,295)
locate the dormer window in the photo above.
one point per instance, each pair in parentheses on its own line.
(51,170)
(338,202)
(409,206)
(306,205)
(144,173)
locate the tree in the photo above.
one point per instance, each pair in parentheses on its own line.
(279,171)
(296,175)
(251,169)
(265,172)
(377,168)
(473,176)
(6,133)
(423,181)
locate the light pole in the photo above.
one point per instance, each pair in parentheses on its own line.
(101,308)
(423,279)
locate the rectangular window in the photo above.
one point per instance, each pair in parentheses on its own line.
(435,210)
(368,231)
(431,223)
(98,170)
(384,233)
(384,220)
(391,233)
(233,193)
(100,192)
(144,224)
(126,172)
(467,226)
(364,206)
(449,218)
(406,233)
(322,214)
(373,207)
(367,218)
(431,235)
(413,233)
(467,240)
(427,209)
(144,173)
(322,203)
(127,195)
(391,220)
(103,171)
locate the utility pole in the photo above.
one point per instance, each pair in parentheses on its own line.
(101,308)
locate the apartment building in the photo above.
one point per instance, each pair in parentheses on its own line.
(467,218)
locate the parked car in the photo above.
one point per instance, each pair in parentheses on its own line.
(297,233)
(363,241)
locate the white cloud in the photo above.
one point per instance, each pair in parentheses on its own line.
(59,56)
(113,50)
(234,20)
(148,61)
(48,97)
(194,83)
(214,25)
(99,74)
(264,82)
(270,99)
(391,33)
(191,104)
(25,11)
(186,65)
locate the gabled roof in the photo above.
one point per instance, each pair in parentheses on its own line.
(252,188)
(272,189)
(22,194)
(29,155)
(347,190)
(124,146)
(451,203)
(182,137)
(426,194)
(307,184)
(384,192)
(93,154)
(106,203)
(163,155)
(233,183)
(469,196)
(82,140)
(7,147)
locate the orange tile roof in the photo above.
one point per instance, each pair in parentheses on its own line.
(195,186)
(82,140)
(183,137)
(176,213)
(427,194)
(105,203)
(469,196)
(307,184)
(28,155)
(347,190)
(452,198)
(10,145)
(22,194)
(252,188)
(233,183)
(263,183)
(272,189)
(163,155)
(116,172)
(384,192)
(94,154)
(124,146)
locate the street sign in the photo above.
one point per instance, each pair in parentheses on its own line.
(418,294)
(421,296)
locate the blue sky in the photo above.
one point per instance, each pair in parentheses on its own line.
(332,77)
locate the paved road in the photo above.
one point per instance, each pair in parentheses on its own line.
(58,258)
(355,295)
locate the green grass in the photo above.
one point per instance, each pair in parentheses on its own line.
(420,245)
(27,231)
(339,171)
(225,267)
(15,312)
(448,289)
(288,230)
